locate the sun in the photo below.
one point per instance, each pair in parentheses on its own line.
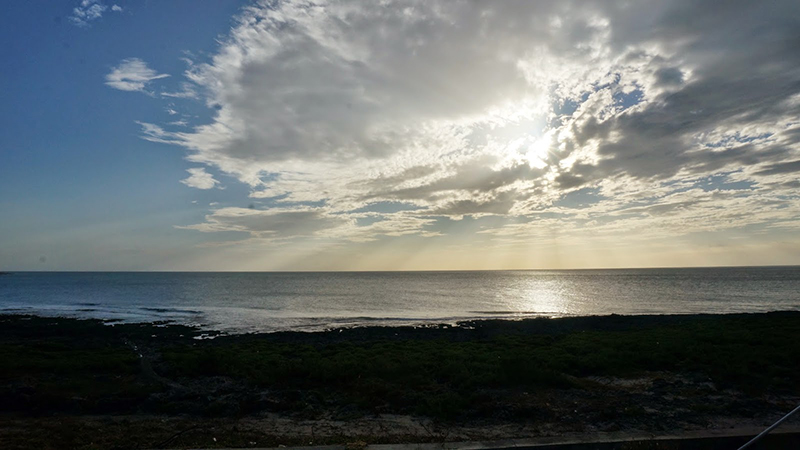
(537,152)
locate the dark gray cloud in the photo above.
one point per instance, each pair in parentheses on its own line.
(568,181)
(780,168)
(273,224)
(499,204)
(669,76)
(476,176)
(745,69)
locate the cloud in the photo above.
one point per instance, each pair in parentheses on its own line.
(188,90)
(90,10)
(786,167)
(200,179)
(501,109)
(132,74)
(270,224)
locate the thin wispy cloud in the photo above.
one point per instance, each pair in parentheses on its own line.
(132,74)
(187,91)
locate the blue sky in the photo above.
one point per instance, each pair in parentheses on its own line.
(73,165)
(231,135)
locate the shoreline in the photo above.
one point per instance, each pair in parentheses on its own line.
(493,319)
(745,266)
(489,379)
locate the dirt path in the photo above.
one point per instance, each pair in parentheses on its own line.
(148,432)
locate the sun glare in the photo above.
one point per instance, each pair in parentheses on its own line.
(537,152)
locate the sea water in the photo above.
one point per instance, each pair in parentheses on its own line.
(276,301)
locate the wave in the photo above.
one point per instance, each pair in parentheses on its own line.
(171,310)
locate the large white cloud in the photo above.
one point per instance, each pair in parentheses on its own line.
(501,108)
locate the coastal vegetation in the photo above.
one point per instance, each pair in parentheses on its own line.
(607,372)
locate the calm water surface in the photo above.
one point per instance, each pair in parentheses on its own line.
(245,302)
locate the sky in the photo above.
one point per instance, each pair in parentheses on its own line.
(398,135)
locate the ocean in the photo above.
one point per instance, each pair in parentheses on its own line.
(310,301)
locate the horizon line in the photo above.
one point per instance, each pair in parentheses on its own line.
(411,271)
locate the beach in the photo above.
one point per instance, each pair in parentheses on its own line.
(162,385)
